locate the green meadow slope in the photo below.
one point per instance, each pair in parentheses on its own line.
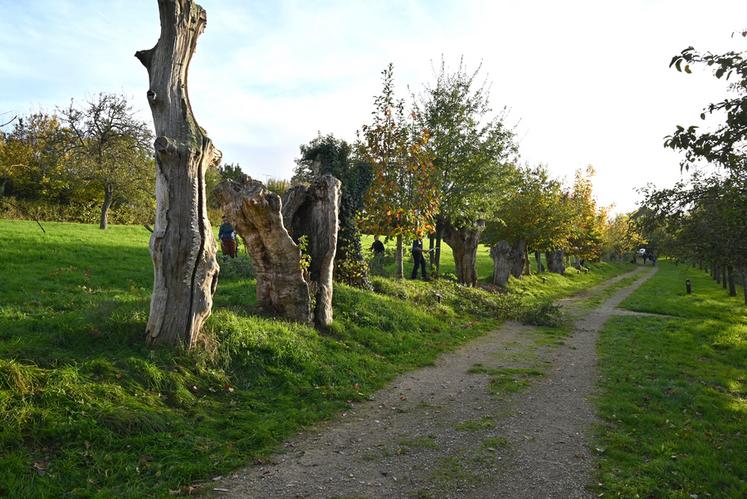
(87,409)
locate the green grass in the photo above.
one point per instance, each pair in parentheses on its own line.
(674,392)
(86,409)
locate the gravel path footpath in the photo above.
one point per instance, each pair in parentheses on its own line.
(438,432)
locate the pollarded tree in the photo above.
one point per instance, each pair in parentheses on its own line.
(472,152)
(403,197)
(329,155)
(109,148)
(182,244)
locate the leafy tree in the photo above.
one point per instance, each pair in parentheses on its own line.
(726,144)
(32,160)
(588,222)
(535,215)
(329,155)
(472,153)
(403,197)
(230,171)
(621,238)
(110,149)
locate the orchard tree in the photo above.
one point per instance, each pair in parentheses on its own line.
(726,143)
(329,155)
(588,222)
(403,197)
(32,160)
(109,148)
(472,151)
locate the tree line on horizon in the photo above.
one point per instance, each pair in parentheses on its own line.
(444,167)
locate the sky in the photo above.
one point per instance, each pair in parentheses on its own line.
(584,82)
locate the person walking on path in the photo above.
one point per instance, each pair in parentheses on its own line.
(378,256)
(227,237)
(417,256)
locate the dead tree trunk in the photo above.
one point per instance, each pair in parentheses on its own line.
(317,218)
(272,230)
(182,245)
(500,252)
(555,262)
(464,242)
(108,199)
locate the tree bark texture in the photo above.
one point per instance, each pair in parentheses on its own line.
(538,258)
(108,199)
(732,284)
(317,218)
(272,229)
(501,252)
(399,259)
(182,245)
(527,265)
(724,276)
(464,242)
(555,262)
(518,254)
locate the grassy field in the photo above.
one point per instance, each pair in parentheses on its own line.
(87,410)
(674,392)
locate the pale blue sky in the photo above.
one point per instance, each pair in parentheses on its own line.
(586,81)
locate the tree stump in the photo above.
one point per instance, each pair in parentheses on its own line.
(182,245)
(273,228)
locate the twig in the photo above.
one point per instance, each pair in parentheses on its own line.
(26,212)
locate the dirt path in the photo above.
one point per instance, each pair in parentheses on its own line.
(437,432)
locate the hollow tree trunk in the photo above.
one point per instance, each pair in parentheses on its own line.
(316,217)
(464,242)
(399,259)
(108,198)
(732,284)
(182,245)
(500,252)
(538,258)
(555,262)
(518,252)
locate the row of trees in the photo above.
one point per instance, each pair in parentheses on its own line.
(94,153)
(703,218)
(445,167)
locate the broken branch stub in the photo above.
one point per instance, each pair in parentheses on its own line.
(182,245)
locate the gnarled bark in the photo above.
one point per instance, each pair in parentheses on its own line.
(272,229)
(463,242)
(182,245)
(313,211)
(555,262)
(518,258)
(256,215)
(501,252)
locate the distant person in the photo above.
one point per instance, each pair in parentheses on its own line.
(378,255)
(227,237)
(417,256)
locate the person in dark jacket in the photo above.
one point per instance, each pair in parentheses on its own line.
(378,256)
(418,258)
(227,237)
